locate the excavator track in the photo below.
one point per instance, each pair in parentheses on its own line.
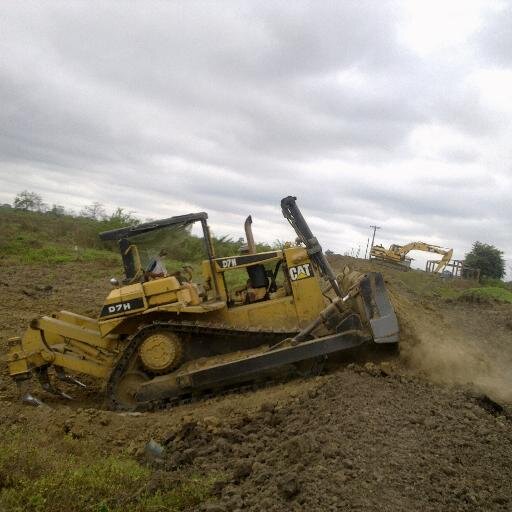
(395,265)
(191,328)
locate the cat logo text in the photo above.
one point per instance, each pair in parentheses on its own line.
(301,272)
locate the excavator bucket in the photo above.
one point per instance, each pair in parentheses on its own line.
(379,311)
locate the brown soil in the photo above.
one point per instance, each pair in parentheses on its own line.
(413,434)
(361,439)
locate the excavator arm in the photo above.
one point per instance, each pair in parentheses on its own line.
(447,256)
(422,246)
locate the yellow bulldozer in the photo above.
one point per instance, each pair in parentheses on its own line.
(171,336)
(397,254)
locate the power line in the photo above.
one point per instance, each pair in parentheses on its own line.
(373,239)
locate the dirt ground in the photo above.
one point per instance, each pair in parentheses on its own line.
(413,433)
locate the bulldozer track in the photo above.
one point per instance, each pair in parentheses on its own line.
(194,328)
(203,395)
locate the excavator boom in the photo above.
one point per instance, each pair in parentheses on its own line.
(398,253)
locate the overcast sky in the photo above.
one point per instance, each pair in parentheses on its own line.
(378,112)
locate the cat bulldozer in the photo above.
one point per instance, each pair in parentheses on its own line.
(169,337)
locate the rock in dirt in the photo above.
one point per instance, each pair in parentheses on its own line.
(213,423)
(43,288)
(153,450)
(288,486)
(268,407)
(242,470)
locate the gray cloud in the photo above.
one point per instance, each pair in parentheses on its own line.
(494,41)
(160,107)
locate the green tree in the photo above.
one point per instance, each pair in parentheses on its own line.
(123,218)
(488,259)
(94,211)
(58,210)
(29,201)
(118,219)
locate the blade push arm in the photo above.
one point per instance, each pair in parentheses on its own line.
(294,216)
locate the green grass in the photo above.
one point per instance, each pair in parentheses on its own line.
(496,283)
(486,294)
(74,475)
(32,237)
(434,286)
(26,249)
(431,285)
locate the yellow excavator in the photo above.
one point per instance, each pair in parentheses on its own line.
(397,254)
(171,336)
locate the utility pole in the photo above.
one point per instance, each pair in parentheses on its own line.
(373,239)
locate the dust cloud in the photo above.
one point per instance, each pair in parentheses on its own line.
(450,350)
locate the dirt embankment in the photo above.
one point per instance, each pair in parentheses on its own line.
(361,439)
(460,344)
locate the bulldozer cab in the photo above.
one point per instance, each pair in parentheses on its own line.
(266,284)
(237,280)
(249,278)
(281,280)
(140,245)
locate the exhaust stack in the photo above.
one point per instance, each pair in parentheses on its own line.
(251,246)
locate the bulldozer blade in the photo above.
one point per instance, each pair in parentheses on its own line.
(379,310)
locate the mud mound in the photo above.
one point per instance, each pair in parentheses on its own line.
(362,440)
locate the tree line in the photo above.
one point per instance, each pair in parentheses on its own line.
(82,228)
(185,246)
(33,202)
